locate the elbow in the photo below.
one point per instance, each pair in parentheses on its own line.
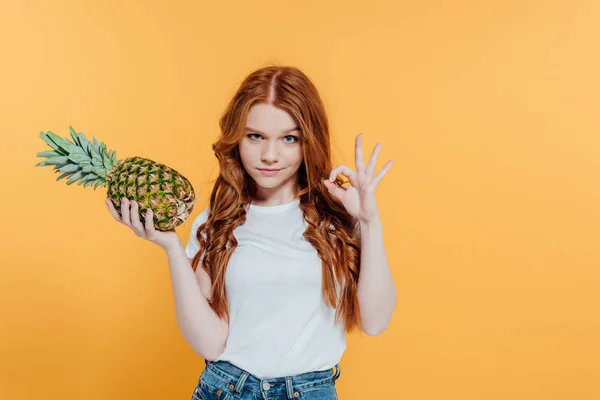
(374,331)
(209,351)
(215,352)
(374,325)
(209,355)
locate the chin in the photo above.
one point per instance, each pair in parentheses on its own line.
(267,184)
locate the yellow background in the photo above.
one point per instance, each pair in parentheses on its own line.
(490,111)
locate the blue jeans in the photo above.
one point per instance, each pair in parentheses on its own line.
(222,380)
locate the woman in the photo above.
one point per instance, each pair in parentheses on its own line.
(290,260)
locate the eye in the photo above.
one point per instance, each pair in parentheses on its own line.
(295,139)
(253,134)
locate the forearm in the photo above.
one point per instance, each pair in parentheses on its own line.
(376,290)
(204,331)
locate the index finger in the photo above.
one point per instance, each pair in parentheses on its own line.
(113,210)
(359,159)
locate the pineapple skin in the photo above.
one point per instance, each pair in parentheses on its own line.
(153,185)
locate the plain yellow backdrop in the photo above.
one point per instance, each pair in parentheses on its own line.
(490,111)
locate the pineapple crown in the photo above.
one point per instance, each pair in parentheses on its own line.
(85,162)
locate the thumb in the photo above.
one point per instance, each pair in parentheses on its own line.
(332,187)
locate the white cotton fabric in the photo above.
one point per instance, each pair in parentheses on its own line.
(279,323)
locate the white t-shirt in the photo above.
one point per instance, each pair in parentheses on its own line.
(279,324)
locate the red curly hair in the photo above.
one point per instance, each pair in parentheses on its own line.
(330,229)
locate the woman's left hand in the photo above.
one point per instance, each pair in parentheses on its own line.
(359,199)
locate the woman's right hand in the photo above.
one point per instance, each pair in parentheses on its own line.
(130,217)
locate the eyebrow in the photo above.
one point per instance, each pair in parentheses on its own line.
(288,131)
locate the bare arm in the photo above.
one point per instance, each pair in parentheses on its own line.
(376,290)
(205,332)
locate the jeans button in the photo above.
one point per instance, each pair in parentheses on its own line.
(266,386)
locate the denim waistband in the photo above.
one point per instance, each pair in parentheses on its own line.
(243,380)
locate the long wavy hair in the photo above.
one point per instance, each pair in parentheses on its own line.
(330,229)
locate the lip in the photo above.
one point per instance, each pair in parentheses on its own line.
(268,171)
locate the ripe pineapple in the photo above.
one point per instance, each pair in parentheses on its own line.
(152,185)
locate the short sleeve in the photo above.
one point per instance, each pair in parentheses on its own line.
(193,245)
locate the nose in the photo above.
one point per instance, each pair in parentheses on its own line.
(269,153)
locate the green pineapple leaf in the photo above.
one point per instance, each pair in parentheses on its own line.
(50,153)
(64,175)
(57,160)
(77,158)
(75,177)
(94,152)
(84,143)
(60,142)
(46,138)
(74,136)
(70,168)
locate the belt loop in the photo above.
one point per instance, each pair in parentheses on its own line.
(240,385)
(289,388)
(338,372)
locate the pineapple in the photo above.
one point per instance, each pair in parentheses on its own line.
(152,185)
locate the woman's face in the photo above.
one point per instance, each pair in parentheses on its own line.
(271,142)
